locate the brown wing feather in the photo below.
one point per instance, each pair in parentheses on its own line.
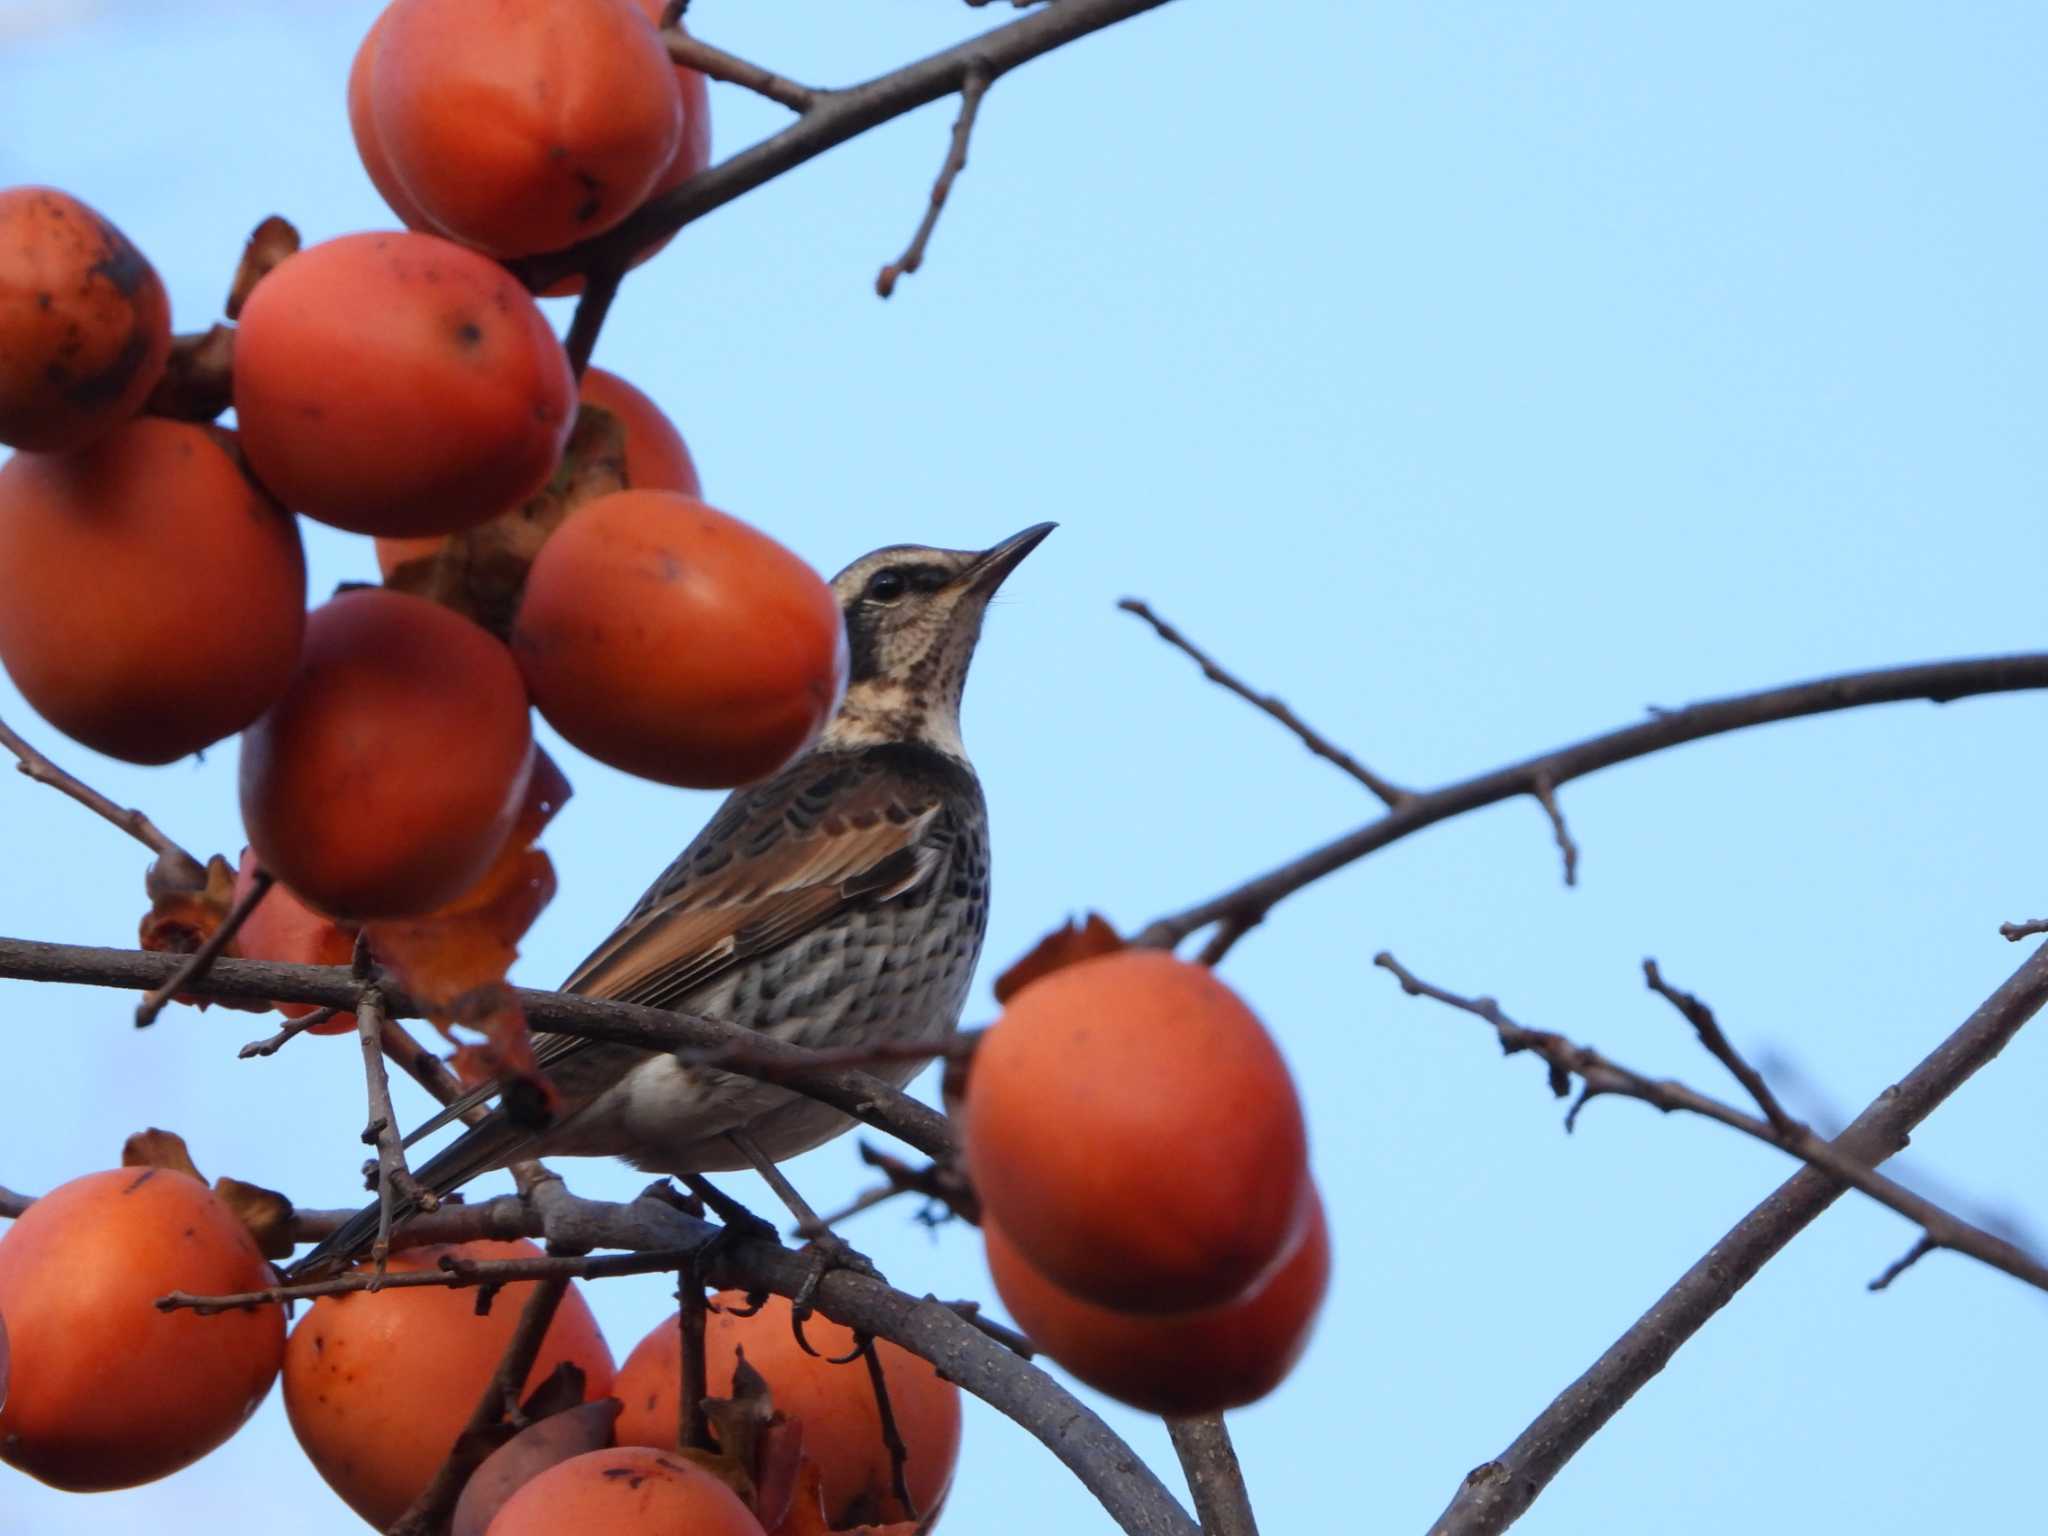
(775,862)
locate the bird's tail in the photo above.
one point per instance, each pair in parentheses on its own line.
(493,1142)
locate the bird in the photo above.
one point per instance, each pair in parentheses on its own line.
(840,902)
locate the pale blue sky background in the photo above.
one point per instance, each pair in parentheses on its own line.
(1473,374)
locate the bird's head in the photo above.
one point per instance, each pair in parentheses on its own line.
(913,616)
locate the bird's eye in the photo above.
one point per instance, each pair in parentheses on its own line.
(886,586)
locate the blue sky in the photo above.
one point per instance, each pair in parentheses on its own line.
(1474,375)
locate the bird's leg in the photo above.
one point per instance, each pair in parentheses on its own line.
(739,1222)
(829,1251)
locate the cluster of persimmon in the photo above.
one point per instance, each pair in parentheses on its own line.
(108,1391)
(1138,1149)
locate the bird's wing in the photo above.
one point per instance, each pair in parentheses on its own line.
(775,862)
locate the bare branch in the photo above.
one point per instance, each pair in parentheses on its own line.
(833,118)
(1941,682)
(1214,1478)
(892,1437)
(134,823)
(732,1048)
(197,963)
(973,86)
(1545,792)
(1496,1494)
(717,64)
(1603,1076)
(270,1045)
(1923,1246)
(2014,932)
(1390,793)
(395,1183)
(1704,1024)
(599,289)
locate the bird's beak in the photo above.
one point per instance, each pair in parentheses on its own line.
(994,565)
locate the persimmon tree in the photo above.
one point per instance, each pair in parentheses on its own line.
(395,805)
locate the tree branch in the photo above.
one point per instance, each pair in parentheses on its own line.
(832,118)
(972,89)
(1941,682)
(1389,793)
(716,64)
(709,1041)
(138,826)
(1496,1494)
(1214,1477)
(1602,1076)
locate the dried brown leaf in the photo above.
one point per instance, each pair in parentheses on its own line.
(1064,946)
(159,1149)
(269,244)
(267,1214)
(545,1443)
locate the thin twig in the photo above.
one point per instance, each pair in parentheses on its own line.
(1601,1076)
(892,1437)
(717,64)
(743,1051)
(1941,682)
(395,1183)
(1497,1493)
(835,117)
(12,1204)
(974,85)
(693,1429)
(2017,931)
(201,959)
(500,1401)
(1923,1246)
(1701,1017)
(1222,1502)
(600,287)
(138,826)
(942,1183)
(423,1067)
(1389,793)
(1546,796)
(270,1045)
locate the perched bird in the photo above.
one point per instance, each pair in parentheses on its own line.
(839,903)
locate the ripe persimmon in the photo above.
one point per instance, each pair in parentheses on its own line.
(693,149)
(668,639)
(1133,1129)
(1175,1363)
(369,147)
(107,1391)
(85,327)
(629,1490)
(842,1427)
(519,126)
(399,384)
(151,597)
(379,1383)
(282,927)
(385,780)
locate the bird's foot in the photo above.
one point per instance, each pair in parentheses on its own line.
(826,1252)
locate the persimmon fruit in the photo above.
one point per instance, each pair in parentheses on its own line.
(386,779)
(1175,1363)
(378,1384)
(399,384)
(151,597)
(85,328)
(842,1428)
(362,124)
(519,126)
(282,927)
(107,1391)
(628,1489)
(671,640)
(1133,1129)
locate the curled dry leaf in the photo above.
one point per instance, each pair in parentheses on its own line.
(542,1444)
(199,377)
(760,1447)
(806,1516)
(269,243)
(1065,945)
(187,902)
(481,572)
(155,1148)
(267,1214)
